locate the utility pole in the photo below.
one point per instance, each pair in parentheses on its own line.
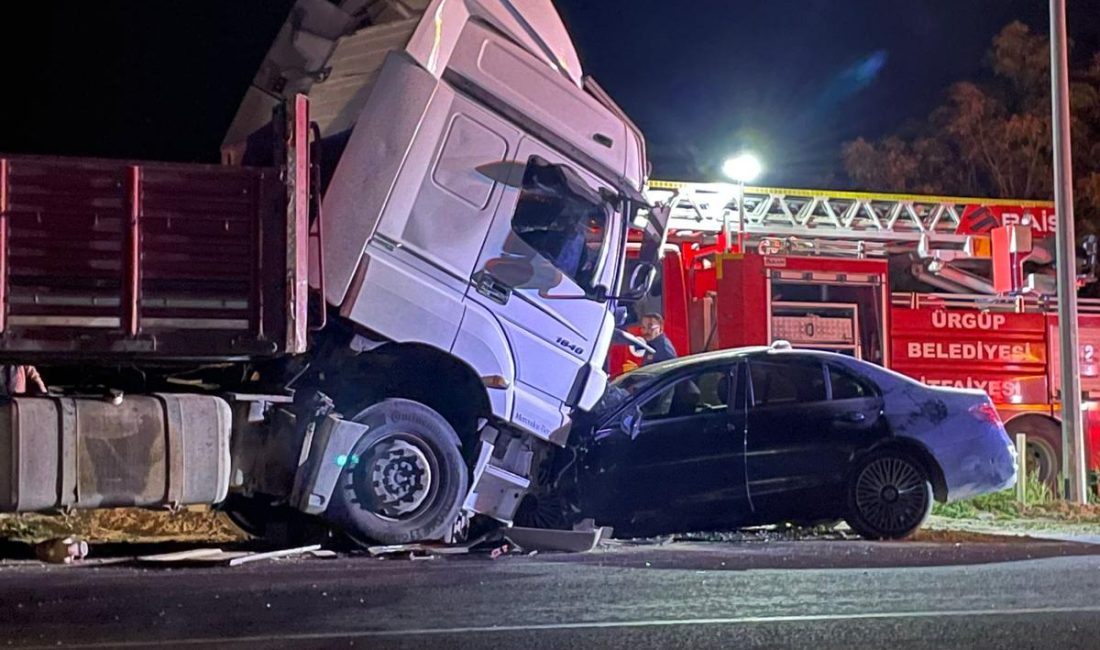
(1073,438)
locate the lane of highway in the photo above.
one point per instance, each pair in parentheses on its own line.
(632,597)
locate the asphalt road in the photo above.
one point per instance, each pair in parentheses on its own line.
(815,594)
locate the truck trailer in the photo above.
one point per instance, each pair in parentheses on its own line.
(380,313)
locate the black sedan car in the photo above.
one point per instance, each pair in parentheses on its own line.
(766,435)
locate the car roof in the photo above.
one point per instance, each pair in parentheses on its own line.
(735,354)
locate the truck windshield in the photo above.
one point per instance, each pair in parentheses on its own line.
(563,220)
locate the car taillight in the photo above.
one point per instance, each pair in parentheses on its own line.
(985,411)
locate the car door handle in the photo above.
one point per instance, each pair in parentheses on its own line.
(851,416)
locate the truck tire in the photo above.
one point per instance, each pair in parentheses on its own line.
(1044,447)
(889,495)
(404,480)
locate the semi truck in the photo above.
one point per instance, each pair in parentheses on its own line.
(379,313)
(952,291)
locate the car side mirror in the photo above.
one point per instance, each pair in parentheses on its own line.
(631,422)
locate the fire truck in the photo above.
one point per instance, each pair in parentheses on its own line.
(948,290)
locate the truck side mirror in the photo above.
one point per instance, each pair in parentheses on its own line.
(640,282)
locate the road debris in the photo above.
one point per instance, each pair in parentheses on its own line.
(568,541)
(506,540)
(63,550)
(219,557)
(420,548)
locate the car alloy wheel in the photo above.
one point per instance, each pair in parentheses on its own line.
(891,496)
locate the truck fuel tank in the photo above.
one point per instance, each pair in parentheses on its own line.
(140,450)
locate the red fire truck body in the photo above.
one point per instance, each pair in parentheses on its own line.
(851,273)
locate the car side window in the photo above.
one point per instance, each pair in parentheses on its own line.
(700,393)
(846,386)
(786,382)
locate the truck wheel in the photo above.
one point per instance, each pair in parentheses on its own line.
(1044,447)
(889,495)
(404,480)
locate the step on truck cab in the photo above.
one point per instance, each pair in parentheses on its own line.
(383,310)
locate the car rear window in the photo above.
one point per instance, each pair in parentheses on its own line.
(793,381)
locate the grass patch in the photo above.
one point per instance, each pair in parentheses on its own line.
(199,524)
(1042,503)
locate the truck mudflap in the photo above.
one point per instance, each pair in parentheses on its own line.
(328,454)
(138,450)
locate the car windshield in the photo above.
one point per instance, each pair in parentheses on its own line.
(623,388)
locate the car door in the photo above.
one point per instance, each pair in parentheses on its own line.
(800,442)
(786,431)
(676,460)
(538,266)
(855,418)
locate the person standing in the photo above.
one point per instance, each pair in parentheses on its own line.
(653,331)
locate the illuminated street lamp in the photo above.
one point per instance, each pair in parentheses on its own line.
(743,168)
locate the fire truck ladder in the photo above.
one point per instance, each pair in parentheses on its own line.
(871,222)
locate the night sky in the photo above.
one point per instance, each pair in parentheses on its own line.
(792,79)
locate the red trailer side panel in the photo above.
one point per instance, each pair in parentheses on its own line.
(110,258)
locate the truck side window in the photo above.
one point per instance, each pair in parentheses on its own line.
(563,226)
(790,381)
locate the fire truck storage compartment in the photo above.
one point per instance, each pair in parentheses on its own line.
(818,303)
(823,326)
(103,259)
(145,450)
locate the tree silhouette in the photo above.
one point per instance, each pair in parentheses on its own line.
(994,138)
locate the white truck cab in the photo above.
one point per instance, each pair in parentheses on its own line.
(393,299)
(480,205)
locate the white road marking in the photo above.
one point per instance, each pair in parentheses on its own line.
(593,625)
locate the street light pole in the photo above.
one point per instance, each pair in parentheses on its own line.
(740,216)
(741,169)
(1073,439)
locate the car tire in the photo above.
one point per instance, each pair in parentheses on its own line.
(889,495)
(405,478)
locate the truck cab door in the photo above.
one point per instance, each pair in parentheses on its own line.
(546,252)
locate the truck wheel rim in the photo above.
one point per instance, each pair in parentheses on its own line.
(399,473)
(890,494)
